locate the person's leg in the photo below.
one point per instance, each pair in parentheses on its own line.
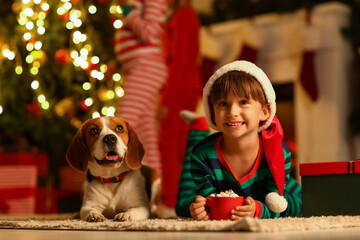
(143,79)
(148,136)
(173,136)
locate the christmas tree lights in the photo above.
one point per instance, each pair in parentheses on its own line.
(32,20)
(57,68)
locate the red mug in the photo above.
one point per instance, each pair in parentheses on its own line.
(220,207)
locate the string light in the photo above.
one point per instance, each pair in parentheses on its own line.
(18,70)
(8,54)
(95,115)
(32,19)
(38,45)
(35,84)
(110,111)
(41,98)
(119,92)
(45,105)
(88,102)
(116,77)
(41,30)
(118,24)
(86,86)
(104,111)
(92,9)
(95,60)
(45,7)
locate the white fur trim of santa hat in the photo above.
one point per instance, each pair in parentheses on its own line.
(254,71)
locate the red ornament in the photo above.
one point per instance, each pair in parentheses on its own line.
(91,67)
(65,17)
(62,56)
(84,106)
(102,1)
(33,109)
(74,2)
(112,68)
(112,20)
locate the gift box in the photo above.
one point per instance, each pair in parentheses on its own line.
(40,160)
(70,190)
(46,200)
(71,179)
(330,188)
(18,189)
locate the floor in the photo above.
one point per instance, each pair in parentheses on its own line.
(11,234)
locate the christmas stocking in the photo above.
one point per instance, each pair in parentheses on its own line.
(251,42)
(207,69)
(248,53)
(308,70)
(308,75)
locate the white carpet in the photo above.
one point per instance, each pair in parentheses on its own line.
(67,222)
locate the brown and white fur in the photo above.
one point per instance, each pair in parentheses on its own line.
(107,147)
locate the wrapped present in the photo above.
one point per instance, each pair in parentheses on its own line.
(27,158)
(71,179)
(46,200)
(70,191)
(330,188)
(18,189)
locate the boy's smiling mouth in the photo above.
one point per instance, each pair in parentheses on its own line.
(234,124)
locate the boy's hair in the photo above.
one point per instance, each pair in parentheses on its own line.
(240,84)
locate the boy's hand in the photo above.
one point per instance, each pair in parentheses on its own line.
(246,210)
(197,209)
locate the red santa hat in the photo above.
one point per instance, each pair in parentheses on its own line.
(271,130)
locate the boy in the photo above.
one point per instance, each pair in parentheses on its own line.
(247,154)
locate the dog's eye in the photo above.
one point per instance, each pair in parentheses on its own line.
(94,131)
(119,128)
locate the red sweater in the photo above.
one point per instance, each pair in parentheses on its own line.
(182,53)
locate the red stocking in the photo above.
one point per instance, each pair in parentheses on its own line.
(248,53)
(207,69)
(308,75)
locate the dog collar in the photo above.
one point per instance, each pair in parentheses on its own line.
(108,180)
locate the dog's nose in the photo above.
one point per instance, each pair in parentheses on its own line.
(110,139)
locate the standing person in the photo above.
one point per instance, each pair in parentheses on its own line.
(247,155)
(138,47)
(182,91)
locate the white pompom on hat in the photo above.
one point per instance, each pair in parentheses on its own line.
(271,135)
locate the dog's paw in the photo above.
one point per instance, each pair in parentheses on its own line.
(128,216)
(124,216)
(95,217)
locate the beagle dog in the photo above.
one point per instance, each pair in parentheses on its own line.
(118,186)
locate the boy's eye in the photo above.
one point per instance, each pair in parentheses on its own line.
(222,103)
(243,102)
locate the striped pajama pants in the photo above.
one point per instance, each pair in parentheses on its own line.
(144,77)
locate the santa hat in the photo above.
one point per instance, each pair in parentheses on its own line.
(271,130)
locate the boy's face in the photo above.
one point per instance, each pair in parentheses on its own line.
(236,116)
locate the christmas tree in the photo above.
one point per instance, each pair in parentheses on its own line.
(57,69)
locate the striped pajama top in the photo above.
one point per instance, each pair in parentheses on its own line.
(142,31)
(212,175)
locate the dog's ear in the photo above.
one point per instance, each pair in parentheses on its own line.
(77,154)
(135,151)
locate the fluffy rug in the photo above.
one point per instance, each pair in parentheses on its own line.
(69,222)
